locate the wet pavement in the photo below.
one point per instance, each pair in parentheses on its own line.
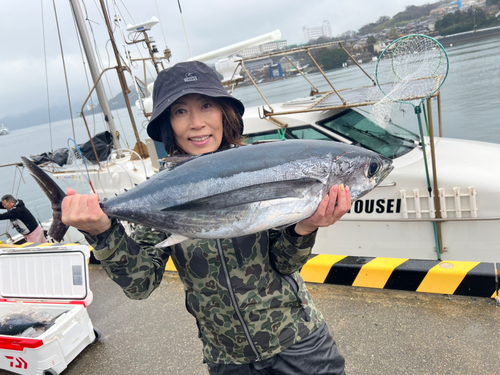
(378,331)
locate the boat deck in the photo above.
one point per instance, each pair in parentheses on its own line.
(378,331)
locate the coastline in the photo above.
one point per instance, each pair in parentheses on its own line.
(468,36)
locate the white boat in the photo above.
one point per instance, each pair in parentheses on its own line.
(399,218)
(4,130)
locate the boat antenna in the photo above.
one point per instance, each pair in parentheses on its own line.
(414,67)
(180,10)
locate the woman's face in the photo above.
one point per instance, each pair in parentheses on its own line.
(197,124)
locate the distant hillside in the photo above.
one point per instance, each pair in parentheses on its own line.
(117,102)
(40,116)
(410,14)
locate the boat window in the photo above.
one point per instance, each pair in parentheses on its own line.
(269,136)
(309,133)
(302,132)
(391,141)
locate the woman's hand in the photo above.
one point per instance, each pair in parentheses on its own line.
(84,213)
(335,204)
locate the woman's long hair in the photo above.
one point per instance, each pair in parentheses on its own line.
(232,125)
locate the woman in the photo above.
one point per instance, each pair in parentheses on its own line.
(253,311)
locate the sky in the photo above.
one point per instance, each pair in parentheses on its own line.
(31,68)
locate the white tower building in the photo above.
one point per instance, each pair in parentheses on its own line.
(315,32)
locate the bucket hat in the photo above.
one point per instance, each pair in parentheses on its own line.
(192,77)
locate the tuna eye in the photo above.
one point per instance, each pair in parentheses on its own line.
(373,168)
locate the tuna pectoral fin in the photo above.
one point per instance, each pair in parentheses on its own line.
(250,194)
(172,240)
(54,193)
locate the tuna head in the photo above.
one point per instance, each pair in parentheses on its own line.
(361,170)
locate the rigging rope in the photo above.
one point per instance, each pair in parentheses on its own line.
(161,23)
(64,67)
(46,80)
(75,160)
(185,32)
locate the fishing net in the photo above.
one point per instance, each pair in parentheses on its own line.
(410,70)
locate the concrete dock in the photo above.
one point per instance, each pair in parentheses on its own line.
(378,331)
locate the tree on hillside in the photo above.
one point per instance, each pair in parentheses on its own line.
(320,40)
(492,2)
(367,29)
(371,41)
(461,21)
(383,19)
(347,35)
(393,34)
(332,58)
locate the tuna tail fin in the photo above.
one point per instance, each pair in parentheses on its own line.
(55,194)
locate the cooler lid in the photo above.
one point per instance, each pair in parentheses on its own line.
(49,274)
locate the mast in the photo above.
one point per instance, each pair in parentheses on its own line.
(140,147)
(94,71)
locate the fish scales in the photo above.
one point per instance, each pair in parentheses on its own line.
(243,190)
(181,184)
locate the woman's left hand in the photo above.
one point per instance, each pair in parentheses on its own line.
(335,204)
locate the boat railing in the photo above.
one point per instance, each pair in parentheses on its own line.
(7,234)
(329,99)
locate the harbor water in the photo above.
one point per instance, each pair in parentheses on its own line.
(470,107)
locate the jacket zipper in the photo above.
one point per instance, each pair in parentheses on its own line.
(233,300)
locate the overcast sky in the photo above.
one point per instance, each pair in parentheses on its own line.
(210,24)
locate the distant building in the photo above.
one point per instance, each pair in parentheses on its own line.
(380,46)
(438,12)
(473,3)
(263,48)
(313,33)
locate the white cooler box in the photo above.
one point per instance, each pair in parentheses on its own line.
(51,280)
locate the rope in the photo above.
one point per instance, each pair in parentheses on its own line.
(20,178)
(47,81)
(127,12)
(161,23)
(87,177)
(185,32)
(281,133)
(64,67)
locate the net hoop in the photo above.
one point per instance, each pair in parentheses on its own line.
(442,66)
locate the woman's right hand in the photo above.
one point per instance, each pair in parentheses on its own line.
(84,213)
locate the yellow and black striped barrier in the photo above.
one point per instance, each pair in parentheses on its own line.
(427,276)
(476,279)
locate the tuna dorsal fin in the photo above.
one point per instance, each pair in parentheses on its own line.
(250,194)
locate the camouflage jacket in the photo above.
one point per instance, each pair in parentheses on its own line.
(249,306)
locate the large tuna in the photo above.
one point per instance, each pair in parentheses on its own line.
(238,191)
